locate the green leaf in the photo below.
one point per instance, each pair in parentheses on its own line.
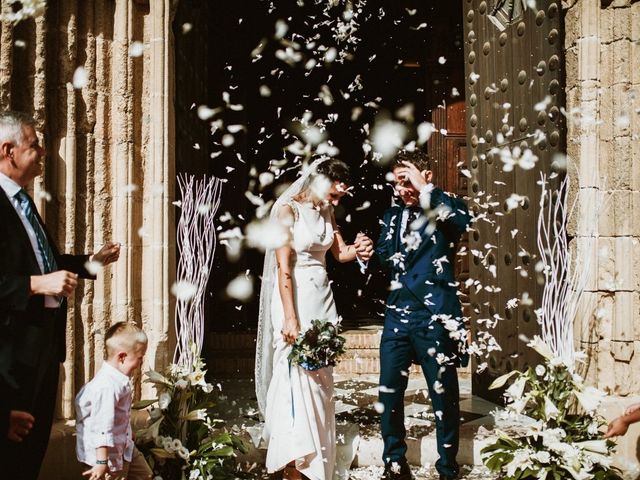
(162,453)
(143,404)
(222,452)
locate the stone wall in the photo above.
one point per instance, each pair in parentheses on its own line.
(109,167)
(602,41)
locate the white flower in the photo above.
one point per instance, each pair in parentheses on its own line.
(550,410)
(183,453)
(521,461)
(552,435)
(541,347)
(502,379)
(540,370)
(516,390)
(590,398)
(176,444)
(194,474)
(199,414)
(597,446)
(542,456)
(164,400)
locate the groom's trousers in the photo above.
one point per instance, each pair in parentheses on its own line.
(416,338)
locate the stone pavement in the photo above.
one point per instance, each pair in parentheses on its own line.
(359,440)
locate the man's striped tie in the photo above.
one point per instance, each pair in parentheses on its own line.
(29,210)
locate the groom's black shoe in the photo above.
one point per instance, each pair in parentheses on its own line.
(397,471)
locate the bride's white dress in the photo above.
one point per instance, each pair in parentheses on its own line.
(300,412)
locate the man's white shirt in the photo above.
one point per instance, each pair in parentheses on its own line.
(11,188)
(103,418)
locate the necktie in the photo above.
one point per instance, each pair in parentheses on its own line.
(29,210)
(412,217)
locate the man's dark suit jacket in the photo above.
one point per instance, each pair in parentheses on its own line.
(426,273)
(22,332)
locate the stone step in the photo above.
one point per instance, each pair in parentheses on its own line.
(358,449)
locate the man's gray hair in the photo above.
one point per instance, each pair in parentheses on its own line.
(11,123)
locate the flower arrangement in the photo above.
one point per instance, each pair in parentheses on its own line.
(181,439)
(555,433)
(317,347)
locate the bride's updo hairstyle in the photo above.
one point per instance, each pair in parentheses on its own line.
(335,170)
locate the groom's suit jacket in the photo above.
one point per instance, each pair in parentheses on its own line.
(423,281)
(23,331)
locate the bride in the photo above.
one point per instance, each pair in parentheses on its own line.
(297,404)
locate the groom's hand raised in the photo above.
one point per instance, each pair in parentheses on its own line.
(290,329)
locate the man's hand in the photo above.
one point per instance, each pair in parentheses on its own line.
(20,424)
(97,472)
(60,283)
(616,428)
(107,254)
(410,173)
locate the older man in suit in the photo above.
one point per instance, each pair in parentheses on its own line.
(35,280)
(423,318)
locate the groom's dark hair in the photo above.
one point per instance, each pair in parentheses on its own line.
(419,158)
(335,170)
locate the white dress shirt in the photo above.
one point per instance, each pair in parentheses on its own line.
(11,188)
(103,418)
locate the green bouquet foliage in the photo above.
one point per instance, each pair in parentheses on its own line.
(556,426)
(317,347)
(182,440)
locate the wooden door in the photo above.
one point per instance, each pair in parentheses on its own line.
(514,95)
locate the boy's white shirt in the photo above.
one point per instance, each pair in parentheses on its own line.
(103,418)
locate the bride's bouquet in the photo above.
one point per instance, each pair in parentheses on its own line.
(317,347)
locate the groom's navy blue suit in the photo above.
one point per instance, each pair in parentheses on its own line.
(423,288)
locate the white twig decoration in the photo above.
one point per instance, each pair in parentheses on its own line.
(196,239)
(565,280)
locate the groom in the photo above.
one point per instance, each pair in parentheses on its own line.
(423,319)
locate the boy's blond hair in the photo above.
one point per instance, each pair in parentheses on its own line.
(123,337)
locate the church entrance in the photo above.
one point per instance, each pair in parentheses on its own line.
(479,71)
(413,72)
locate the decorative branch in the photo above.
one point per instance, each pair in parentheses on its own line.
(565,280)
(196,239)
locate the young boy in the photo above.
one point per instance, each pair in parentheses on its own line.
(103,410)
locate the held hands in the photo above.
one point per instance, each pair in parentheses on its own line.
(364,247)
(290,330)
(20,424)
(97,472)
(109,253)
(60,283)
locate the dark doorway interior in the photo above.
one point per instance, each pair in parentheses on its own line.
(410,52)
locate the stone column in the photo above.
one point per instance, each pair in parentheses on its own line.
(603,104)
(109,172)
